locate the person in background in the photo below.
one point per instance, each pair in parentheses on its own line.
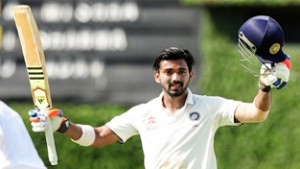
(17,150)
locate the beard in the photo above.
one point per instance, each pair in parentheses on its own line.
(176,89)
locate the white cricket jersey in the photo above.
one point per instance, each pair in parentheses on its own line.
(16,148)
(184,140)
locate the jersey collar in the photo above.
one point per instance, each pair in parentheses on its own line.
(189,99)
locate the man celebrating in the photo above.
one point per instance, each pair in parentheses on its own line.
(177,128)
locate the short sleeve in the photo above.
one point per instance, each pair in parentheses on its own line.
(222,110)
(227,111)
(124,125)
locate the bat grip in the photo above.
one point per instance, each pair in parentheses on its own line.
(52,155)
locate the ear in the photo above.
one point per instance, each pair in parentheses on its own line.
(156,76)
(191,74)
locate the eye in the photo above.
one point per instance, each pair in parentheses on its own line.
(182,72)
(169,72)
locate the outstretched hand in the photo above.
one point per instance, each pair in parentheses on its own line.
(39,123)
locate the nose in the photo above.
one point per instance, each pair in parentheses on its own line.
(175,77)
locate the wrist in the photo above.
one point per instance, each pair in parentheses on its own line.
(87,137)
(264,88)
(64,126)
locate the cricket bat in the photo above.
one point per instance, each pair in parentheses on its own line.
(36,68)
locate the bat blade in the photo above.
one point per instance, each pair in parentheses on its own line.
(36,68)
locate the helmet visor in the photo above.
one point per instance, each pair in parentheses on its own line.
(247,52)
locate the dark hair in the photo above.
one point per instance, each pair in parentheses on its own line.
(174,53)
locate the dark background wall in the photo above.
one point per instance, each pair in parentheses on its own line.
(98,51)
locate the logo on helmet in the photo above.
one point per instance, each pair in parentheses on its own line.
(274,48)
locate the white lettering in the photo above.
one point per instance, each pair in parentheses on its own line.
(56,12)
(9,41)
(7,68)
(7,11)
(86,12)
(83,12)
(85,40)
(75,69)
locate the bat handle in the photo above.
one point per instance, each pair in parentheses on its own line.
(52,155)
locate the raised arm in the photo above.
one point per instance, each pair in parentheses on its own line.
(261,37)
(271,77)
(257,111)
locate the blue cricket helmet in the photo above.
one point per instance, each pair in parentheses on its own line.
(263,37)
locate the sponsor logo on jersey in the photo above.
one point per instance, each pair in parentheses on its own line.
(151,123)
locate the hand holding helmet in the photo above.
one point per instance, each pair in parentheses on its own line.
(261,37)
(274,75)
